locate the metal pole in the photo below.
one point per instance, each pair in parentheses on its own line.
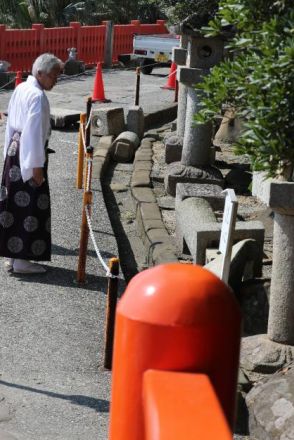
(138,73)
(81,153)
(88,129)
(110,312)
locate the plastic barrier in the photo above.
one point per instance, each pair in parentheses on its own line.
(20,47)
(173,317)
(182,406)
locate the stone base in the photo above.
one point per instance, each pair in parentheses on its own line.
(261,355)
(173,149)
(176,172)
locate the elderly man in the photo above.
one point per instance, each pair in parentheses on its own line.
(25,232)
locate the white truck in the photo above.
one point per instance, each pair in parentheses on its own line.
(153,49)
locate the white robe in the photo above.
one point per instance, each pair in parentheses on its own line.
(29,113)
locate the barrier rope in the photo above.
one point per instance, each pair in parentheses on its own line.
(89,173)
(106,268)
(89,120)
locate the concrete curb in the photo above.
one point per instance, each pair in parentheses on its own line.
(159,246)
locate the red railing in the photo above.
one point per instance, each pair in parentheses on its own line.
(21,46)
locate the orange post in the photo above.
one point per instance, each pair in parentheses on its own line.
(182,406)
(87,201)
(179,318)
(81,153)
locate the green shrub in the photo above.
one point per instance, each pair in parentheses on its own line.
(256,79)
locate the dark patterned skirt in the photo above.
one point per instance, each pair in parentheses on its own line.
(25,230)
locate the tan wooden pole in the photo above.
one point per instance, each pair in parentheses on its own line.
(110,311)
(81,153)
(87,201)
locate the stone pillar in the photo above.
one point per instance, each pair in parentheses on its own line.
(174,142)
(272,351)
(180,59)
(197,138)
(281,314)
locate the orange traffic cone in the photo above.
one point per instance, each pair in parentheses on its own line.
(98,92)
(18,78)
(171,79)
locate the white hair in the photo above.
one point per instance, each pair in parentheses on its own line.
(45,63)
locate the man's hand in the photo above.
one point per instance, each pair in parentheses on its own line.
(38,176)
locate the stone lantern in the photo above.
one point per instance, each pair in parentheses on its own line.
(197,151)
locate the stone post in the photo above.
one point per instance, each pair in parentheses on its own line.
(195,165)
(179,57)
(270,352)
(174,142)
(281,314)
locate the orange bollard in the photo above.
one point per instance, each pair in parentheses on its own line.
(173,317)
(191,398)
(18,78)
(171,79)
(81,153)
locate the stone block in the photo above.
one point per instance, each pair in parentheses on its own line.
(197,229)
(147,213)
(243,260)
(190,76)
(143,165)
(135,120)
(107,121)
(178,173)
(63,117)
(212,193)
(204,53)
(122,152)
(104,142)
(173,149)
(143,195)
(281,197)
(142,155)
(162,253)
(179,56)
(146,144)
(141,178)
(156,235)
(124,147)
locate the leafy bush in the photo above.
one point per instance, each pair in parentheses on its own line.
(256,79)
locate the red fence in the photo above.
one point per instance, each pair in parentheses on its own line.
(21,46)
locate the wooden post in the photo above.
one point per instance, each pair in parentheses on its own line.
(110,312)
(81,153)
(87,200)
(137,97)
